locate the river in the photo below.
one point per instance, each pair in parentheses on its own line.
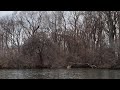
(59,74)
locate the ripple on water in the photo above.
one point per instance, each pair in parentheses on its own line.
(60,74)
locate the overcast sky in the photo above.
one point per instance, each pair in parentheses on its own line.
(2,13)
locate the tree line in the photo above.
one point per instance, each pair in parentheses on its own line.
(56,39)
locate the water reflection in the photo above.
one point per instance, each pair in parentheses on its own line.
(60,74)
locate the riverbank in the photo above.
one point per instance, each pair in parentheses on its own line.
(67,68)
(61,65)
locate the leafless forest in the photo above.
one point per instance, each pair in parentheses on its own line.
(56,39)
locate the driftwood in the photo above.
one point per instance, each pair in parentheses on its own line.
(81,65)
(69,66)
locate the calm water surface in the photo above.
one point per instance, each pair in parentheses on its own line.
(60,74)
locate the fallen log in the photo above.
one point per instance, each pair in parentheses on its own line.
(81,65)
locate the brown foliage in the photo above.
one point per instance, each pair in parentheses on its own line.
(38,39)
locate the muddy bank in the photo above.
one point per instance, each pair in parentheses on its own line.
(79,65)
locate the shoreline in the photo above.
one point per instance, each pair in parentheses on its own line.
(58,68)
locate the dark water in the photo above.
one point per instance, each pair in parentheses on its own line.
(60,74)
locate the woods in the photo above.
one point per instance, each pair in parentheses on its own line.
(57,39)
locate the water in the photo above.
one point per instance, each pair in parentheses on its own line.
(60,74)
